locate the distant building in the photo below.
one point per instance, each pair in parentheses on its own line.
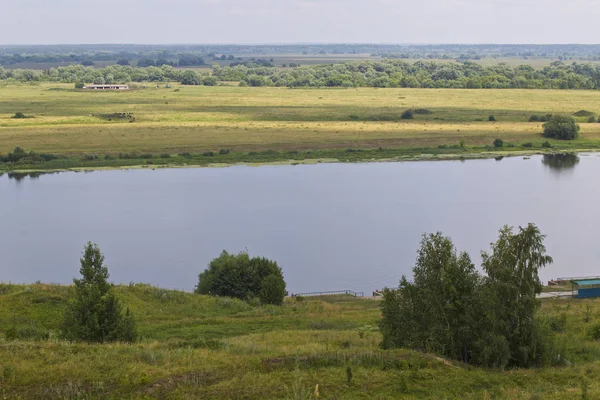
(586,288)
(107,87)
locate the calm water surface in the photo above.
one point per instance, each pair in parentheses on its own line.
(330,226)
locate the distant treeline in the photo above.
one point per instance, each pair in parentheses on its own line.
(10,55)
(381,73)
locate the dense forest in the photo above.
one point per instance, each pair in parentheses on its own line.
(381,73)
(175,54)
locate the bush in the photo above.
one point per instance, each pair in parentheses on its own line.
(19,115)
(186,154)
(208,154)
(408,114)
(242,277)
(491,118)
(583,113)
(528,144)
(165,155)
(558,323)
(592,119)
(534,118)
(353,117)
(545,118)
(224,151)
(562,128)
(272,290)
(79,85)
(547,145)
(595,332)
(498,143)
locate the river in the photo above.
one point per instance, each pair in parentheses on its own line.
(330,226)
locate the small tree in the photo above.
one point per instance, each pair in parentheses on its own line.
(561,127)
(498,143)
(491,118)
(79,85)
(94,313)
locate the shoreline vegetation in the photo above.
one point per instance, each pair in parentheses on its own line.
(195,126)
(216,160)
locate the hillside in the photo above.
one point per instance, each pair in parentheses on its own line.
(203,347)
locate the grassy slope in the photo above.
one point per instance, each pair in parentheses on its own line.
(202,347)
(197,119)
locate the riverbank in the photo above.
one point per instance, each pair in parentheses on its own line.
(227,159)
(206,347)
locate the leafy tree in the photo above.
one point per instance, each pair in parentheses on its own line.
(242,277)
(561,127)
(437,311)
(94,313)
(491,118)
(498,143)
(79,85)
(190,77)
(488,320)
(510,291)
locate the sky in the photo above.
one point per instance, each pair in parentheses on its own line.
(299,21)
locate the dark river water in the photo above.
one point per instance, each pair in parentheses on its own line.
(330,226)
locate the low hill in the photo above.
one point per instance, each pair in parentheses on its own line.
(205,347)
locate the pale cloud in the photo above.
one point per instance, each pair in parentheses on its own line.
(293,21)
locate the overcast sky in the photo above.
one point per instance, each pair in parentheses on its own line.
(299,21)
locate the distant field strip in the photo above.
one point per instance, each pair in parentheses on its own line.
(247,119)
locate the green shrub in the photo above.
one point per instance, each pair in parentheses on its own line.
(561,127)
(187,155)
(165,155)
(242,277)
(534,118)
(353,117)
(547,145)
(224,151)
(408,114)
(79,85)
(498,143)
(592,119)
(19,115)
(491,118)
(558,323)
(594,331)
(545,118)
(208,154)
(272,290)
(583,113)
(528,144)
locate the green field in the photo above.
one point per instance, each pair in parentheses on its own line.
(326,122)
(216,348)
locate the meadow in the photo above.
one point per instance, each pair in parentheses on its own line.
(324,122)
(206,347)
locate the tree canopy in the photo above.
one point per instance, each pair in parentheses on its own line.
(242,277)
(561,127)
(452,310)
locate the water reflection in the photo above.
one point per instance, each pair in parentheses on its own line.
(560,163)
(19,176)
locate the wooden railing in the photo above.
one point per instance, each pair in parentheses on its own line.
(331,293)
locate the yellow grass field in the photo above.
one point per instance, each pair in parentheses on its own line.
(185,118)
